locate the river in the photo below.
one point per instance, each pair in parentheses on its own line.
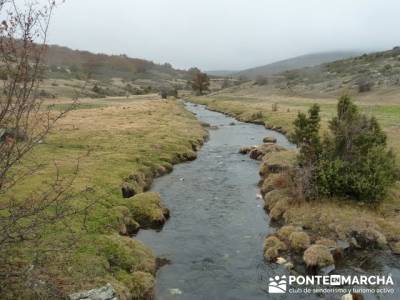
(215,235)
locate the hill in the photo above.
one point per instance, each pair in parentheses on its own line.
(364,75)
(296,63)
(369,72)
(106,75)
(65,62)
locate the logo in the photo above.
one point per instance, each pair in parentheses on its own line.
(277,285)
(327,284)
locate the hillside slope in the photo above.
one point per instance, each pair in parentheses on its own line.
(65,62)
(296,63)
(93,75)
(377,72)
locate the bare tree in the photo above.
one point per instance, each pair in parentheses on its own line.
(25,121)
(200,82)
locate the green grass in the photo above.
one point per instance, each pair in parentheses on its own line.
(142,136)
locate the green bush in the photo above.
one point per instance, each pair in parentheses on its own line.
(352,161)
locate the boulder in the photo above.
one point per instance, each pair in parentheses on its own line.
(318,256)
(281,261)
(106,292)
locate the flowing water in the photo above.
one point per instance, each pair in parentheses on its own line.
(217,227)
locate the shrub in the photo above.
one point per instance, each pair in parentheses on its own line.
(261,80)
(364,86)
(164,94)
(353,161)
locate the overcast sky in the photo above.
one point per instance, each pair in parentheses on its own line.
(225,34)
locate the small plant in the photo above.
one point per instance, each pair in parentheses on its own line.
(275,107)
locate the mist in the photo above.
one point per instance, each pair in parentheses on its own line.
(225,34)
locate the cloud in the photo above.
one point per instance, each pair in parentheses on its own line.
(225,34)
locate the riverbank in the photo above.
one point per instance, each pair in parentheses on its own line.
(121,144)
(331,222)
(215,234)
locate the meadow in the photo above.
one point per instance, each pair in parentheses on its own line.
(110,142)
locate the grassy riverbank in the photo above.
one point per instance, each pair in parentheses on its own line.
(329,218)
(117,140)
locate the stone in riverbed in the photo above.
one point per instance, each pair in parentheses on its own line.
(106,292)
(327,270)
(281,261)
(269,139)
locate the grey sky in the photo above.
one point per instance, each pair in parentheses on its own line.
(225,34)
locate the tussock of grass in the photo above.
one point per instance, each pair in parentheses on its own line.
(299,240)
(273,246)
(146,208)
(318,256)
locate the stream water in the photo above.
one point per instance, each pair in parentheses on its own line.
(217,227)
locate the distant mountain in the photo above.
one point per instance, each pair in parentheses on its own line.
(298,62)
(373,71)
